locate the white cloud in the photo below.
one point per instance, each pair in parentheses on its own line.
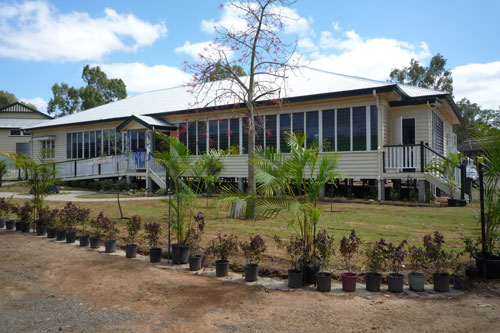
(349,53)
(207,49)
(231,19)
(336,26)
(39,102)
(140,77)
(480,83)
(35,30)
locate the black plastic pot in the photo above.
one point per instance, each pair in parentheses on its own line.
(441,282)
(294,278)
(251,272)
(41,229)
(395,282)
(180,252)
(10,224)
(461,202)
(131,250)
(221,268)
(416,280)
(84,240)
(25,227)
(452,202)
(492,265)
(458,282)
(70,237)
(18,225)
(2,223)
(310,272)
(324,281)
(51,233)
(155,254)
(373,281)
(95,242)
(195,262)
(60,235)
(110,246)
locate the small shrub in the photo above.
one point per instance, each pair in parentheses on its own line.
(48,217)
(253,249)
(98,224)
(349,248)
(195,233)
(396,255)
(325,246)
(223,245)
(109,229)
(393,195)
(71,216)
(417,258)
(375,255)
(373,192)
(413,195)
(293,248)
(5,208)
(152,234)
(24,212)
(133,227)
(434,252)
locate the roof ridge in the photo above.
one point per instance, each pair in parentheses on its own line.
(347,76)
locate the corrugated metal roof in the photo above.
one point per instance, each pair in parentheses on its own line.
(304,82)
(153,121)
(20,123)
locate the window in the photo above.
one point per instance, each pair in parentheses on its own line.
(213,132)
(202,137)
(74,145)
(68,146)
(17,132)
(437,133)
(80,144)
(234,130)
(329,130)
(359,128)
(112,142)
(119,140)
(183,133)
(141,141)
(48,149)
(105,141)
(298,123)
(223,134)
(271,132)
(374,127)
(86,145)
(98,140)
(344,129)
(285,122)
(312,129)
(92,145)
(259,131)
(192,138)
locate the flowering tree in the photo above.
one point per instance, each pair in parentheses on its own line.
(256,47)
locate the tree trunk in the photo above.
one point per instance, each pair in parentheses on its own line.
(249,214)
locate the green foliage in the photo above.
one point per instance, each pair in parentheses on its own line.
(5,208)
(253,249)
(289,185)
(225,71)
(395,255)
(71,216)
(3,170)
(349,248)
(293,247)
(436,254)
(374,192)
(413,195)
(349,193)
(6,98)
(99,90)
(195,233)
(393,195)
(446,169)
(474,118)
(325,245)
(223,245)
(434,76)
(417,257)
(152,235)
(375,255)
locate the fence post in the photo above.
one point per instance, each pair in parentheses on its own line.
(422,157)
(75,169)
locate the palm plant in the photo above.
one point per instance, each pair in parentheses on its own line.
(3,170)
(289,186)
(177,162)
(445,167)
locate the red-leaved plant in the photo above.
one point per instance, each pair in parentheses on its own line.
(223,245)
(71,216)
(253,249)
(133,228)
(349,248)
(152,234)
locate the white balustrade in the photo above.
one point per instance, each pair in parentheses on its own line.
(401,158)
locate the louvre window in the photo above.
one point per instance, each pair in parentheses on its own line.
(329,130)
(359,128)
(270,132)
(344,129)
(374,127)
(437,133)
(312,129)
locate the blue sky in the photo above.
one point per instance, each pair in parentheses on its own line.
(146,42)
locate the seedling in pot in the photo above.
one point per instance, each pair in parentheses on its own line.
(253,251)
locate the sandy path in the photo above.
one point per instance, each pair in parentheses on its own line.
(83,290)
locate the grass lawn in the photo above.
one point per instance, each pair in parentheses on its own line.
(373,221)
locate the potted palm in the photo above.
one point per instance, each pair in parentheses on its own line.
(375,258)
(445,167)
(109,233)
(133,228)
(417,258)
(253,251)
(395,255)
(25,214)
(326,248)
(72,216)
(439,257)
(195,259)
(349,249)
(472,249)
(152,235)
(222,247)
(294,250)
(97,230)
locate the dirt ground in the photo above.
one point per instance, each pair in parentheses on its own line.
(47,286)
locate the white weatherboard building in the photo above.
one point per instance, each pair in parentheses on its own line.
(382,131)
